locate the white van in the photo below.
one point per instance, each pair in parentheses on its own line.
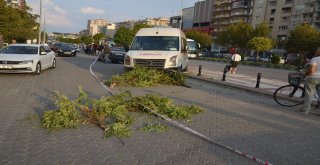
(160,48)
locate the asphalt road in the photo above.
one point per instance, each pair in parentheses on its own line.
(248,122)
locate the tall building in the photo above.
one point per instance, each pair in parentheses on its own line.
(187,18)
(227,12)
(203,15)
(101,26)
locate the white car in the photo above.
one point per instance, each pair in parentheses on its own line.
(26,58)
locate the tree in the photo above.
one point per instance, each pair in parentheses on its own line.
(262,30)
(260,44)
(202,38)
(98,37)
(17,24)
(236,35)
(139,26)
(123,36)
(86,39)
(303,39)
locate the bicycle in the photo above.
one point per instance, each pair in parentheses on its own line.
(293,94)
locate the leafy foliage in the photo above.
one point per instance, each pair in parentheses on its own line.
(67,116)
(123,36)
(262,30)
(98,37)
(17,24)
(166,107)
(304,38)
(144,77)
(202,38)
(111,113)
(236,35)
(239,34)
(260,44)
(154,127)
(275,59)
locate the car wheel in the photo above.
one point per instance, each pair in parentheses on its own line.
(38,69)
(54,65)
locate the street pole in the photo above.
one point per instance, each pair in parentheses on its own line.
(181,13)
(39,39)
(44,26)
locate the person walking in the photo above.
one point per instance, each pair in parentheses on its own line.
(234,61)
(312,81)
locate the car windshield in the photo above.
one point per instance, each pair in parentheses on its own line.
(166,43)
(19,50)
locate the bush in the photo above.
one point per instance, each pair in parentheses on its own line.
(145,77)
(275,59)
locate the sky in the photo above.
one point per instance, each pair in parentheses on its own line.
(71,16)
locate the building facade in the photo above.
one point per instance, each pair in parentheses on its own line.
(187,18)
(100,26)
(17,3)
(227,12)
(203,15)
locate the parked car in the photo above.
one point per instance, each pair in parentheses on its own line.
(117,54)
(26,58)
(67,50)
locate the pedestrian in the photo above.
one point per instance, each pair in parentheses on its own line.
(235,58)
(312,81)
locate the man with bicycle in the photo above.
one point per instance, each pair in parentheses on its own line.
(312,81)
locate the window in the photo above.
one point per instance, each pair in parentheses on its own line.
(271,21)
(273,11)
(285,19)
(286,10)
(283,28)
(273,3)
(257,17)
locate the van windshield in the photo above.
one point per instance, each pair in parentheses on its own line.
(162,43)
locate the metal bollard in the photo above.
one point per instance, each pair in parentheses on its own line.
(258,80)
(200,68)
(225,71)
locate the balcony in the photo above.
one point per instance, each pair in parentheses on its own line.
(220,2)
(308,10)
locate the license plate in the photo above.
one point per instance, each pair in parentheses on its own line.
(118,54)
(6,66)
(67,52)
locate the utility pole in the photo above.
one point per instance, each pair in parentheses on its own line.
(39,39)
(181,14)
(44,26)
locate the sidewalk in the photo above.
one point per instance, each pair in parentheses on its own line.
(266,86)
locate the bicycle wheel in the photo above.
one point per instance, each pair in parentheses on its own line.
(289,95)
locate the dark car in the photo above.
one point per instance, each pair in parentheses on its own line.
(66,50)
(117,54)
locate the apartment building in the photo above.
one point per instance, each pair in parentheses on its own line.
(162,21)
(17,3)
(285,15)
(100,26)
(226,12)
